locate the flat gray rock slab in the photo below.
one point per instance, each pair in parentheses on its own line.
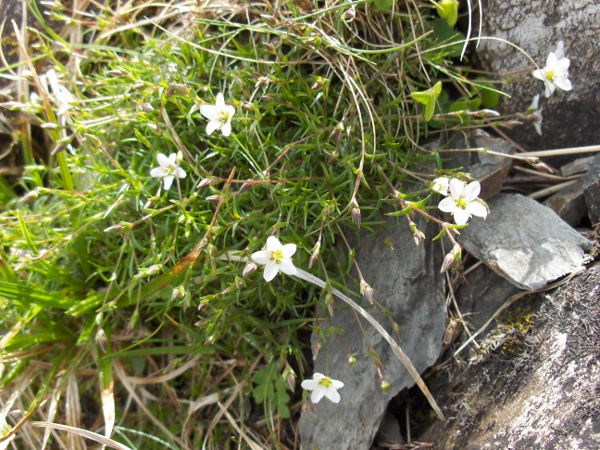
(525,242)
(406,281)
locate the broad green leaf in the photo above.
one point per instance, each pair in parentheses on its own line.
(428,98)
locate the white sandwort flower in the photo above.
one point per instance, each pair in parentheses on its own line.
(322,386)
(441,185)
(463,202)
(168,170)
(276,257)
(61,94)
(536,112)
(556,73)
(219,116)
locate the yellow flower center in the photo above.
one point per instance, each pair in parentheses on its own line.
(277,256)
(550,75)
(224,117)
(325,382)
(461,203)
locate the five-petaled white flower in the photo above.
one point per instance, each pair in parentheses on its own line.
(219,116)
(441,185)
(536,112)
(322,386)
(556,73)
(463,202)
(168,170)
(276,257)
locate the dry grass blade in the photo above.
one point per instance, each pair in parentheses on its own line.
(82,434)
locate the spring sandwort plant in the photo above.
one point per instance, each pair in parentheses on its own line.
(201,165)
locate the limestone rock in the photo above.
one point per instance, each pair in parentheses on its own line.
(482,294)
(535,384)
(489,170)
(578,166)
(569,203)
(525,242)
(406,281)
(591,190)
(536,26)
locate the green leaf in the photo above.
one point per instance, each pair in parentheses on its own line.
(384,5)
(428,98)
(448,9)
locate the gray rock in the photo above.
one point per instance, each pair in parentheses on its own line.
(591,190)
(536,26)
(406,282)
(525,242)
(578,166)
(534,383)
(482,294)
(489,170)
(569,203)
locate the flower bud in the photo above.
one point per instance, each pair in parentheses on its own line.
(245,187)
(351,360)
(315,255)
(177,292)
(214,198)
(366,290)
(147,107)
(356,216)
(139,86)
(250,268)
(115,73)
(269,20)
(349,15)
(178,88)
(153,270)
(204,182)
(102,342)
(385,386)
(316,349)
(209,341)
(452,258)
(289,376)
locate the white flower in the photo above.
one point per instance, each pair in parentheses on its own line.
(556,73)
(440,185)
(276,257)
(536,112)
(168,170)
(219,116)
(322,386)
(463,202)
(61,94)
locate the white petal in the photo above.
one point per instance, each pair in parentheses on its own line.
(168,181)
(230,110)
(447,205)
(226,129)
(332,394)
(261,257)
(318,376)
(562,66)
(535,102)
(288,250)
(538,127)
(477,209)
(271,270)
(158,172)
(472,191)
(180,173)
(163,160)
(209,111)
(309,385)
(539,74)
(273,244)
(551,61)
(287,267)
(563,83)
(213,125)
(317,395)
(337,384)
(456,187)
(461,216)
(220,103)
(440,185)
